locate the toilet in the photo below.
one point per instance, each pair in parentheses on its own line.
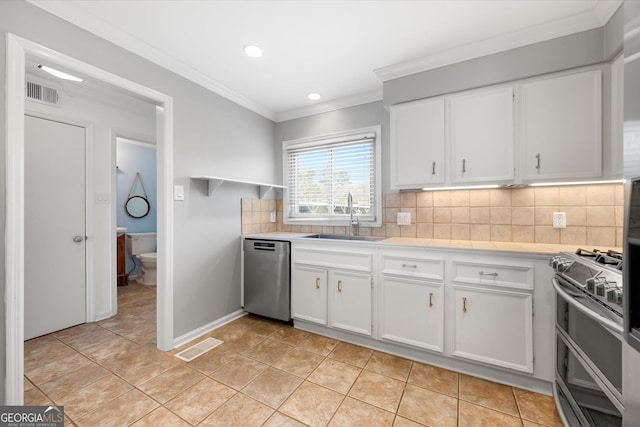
(143,246)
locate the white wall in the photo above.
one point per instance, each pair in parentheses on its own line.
(212,135)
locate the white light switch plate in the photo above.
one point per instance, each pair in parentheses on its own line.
(178,192)
(102,198)
(272,216)
(404,218)
(559,220)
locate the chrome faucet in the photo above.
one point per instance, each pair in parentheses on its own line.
(351,221)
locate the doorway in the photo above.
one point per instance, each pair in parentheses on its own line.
(55,226)
(17,49)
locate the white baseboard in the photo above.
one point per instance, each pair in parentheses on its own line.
(204,329)
(102,316)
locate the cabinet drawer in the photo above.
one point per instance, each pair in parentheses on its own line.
(331,258)
(510,276)
(427,268)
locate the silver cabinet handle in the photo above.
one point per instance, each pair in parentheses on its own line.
(409,266)
(430,299)
(78,239)
(339,285)
(317,283)
(464,304)
(538,161)
(482,273)
(464,165)
(433,168)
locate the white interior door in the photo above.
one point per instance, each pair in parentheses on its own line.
(54,282)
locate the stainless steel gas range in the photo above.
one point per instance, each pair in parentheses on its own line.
(589,337)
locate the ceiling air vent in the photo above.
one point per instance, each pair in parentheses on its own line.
(41,93)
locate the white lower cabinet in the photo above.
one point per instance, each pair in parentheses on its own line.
(471,306)
(309,294)
(411,312)
(332,286)
(350,307)
(492,326)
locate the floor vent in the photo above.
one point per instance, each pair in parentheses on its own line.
(198,349)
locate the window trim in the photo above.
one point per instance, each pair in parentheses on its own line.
(332,138)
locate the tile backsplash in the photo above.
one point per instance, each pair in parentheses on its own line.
(594,215)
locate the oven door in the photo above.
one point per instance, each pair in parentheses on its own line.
(588,359)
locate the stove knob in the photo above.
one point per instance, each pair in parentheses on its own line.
(555,261)
(614,296)
(591,283)
(564,265)
(601,288)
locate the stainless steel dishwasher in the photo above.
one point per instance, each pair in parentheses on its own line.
(267,285)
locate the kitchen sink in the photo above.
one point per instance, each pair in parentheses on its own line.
(345,237)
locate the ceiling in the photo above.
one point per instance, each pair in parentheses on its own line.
(343,49)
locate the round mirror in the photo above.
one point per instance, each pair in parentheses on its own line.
(137,207)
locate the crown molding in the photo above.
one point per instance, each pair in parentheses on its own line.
(597,17)
(333,105)
(76,16)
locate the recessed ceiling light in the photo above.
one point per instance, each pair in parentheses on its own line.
(314,96)
(59,74)
(253,51)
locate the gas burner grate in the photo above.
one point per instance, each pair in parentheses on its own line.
(610,258)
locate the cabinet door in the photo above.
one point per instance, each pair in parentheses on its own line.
(417,144)
(412,312)
(481,134)
(617,117)
(350,301)
(560,127)
(493,326)
(309,294)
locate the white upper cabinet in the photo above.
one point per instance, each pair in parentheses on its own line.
(560,127)
(417,144)
(481,135)
(617,116)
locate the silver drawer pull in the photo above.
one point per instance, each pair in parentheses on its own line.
(482,273)
(409,266)
(317,283)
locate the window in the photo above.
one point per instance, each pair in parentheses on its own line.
(321,172)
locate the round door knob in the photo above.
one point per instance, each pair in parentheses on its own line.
(78,239)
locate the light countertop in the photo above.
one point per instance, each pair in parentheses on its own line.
(531,248)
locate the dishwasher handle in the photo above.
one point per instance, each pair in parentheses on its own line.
(269,246)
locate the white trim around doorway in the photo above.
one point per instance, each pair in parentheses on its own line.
(17,49)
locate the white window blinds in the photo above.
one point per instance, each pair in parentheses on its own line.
(321,174)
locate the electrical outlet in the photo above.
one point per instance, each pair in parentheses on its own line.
(272,216)
(559,220)
(404,218)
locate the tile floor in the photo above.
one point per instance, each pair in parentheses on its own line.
(110,374)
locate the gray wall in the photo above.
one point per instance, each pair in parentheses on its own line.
(345,119)
(576,50)
(211,136)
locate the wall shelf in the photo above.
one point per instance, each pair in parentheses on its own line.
(213,182)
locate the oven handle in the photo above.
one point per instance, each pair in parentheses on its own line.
(609,324)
